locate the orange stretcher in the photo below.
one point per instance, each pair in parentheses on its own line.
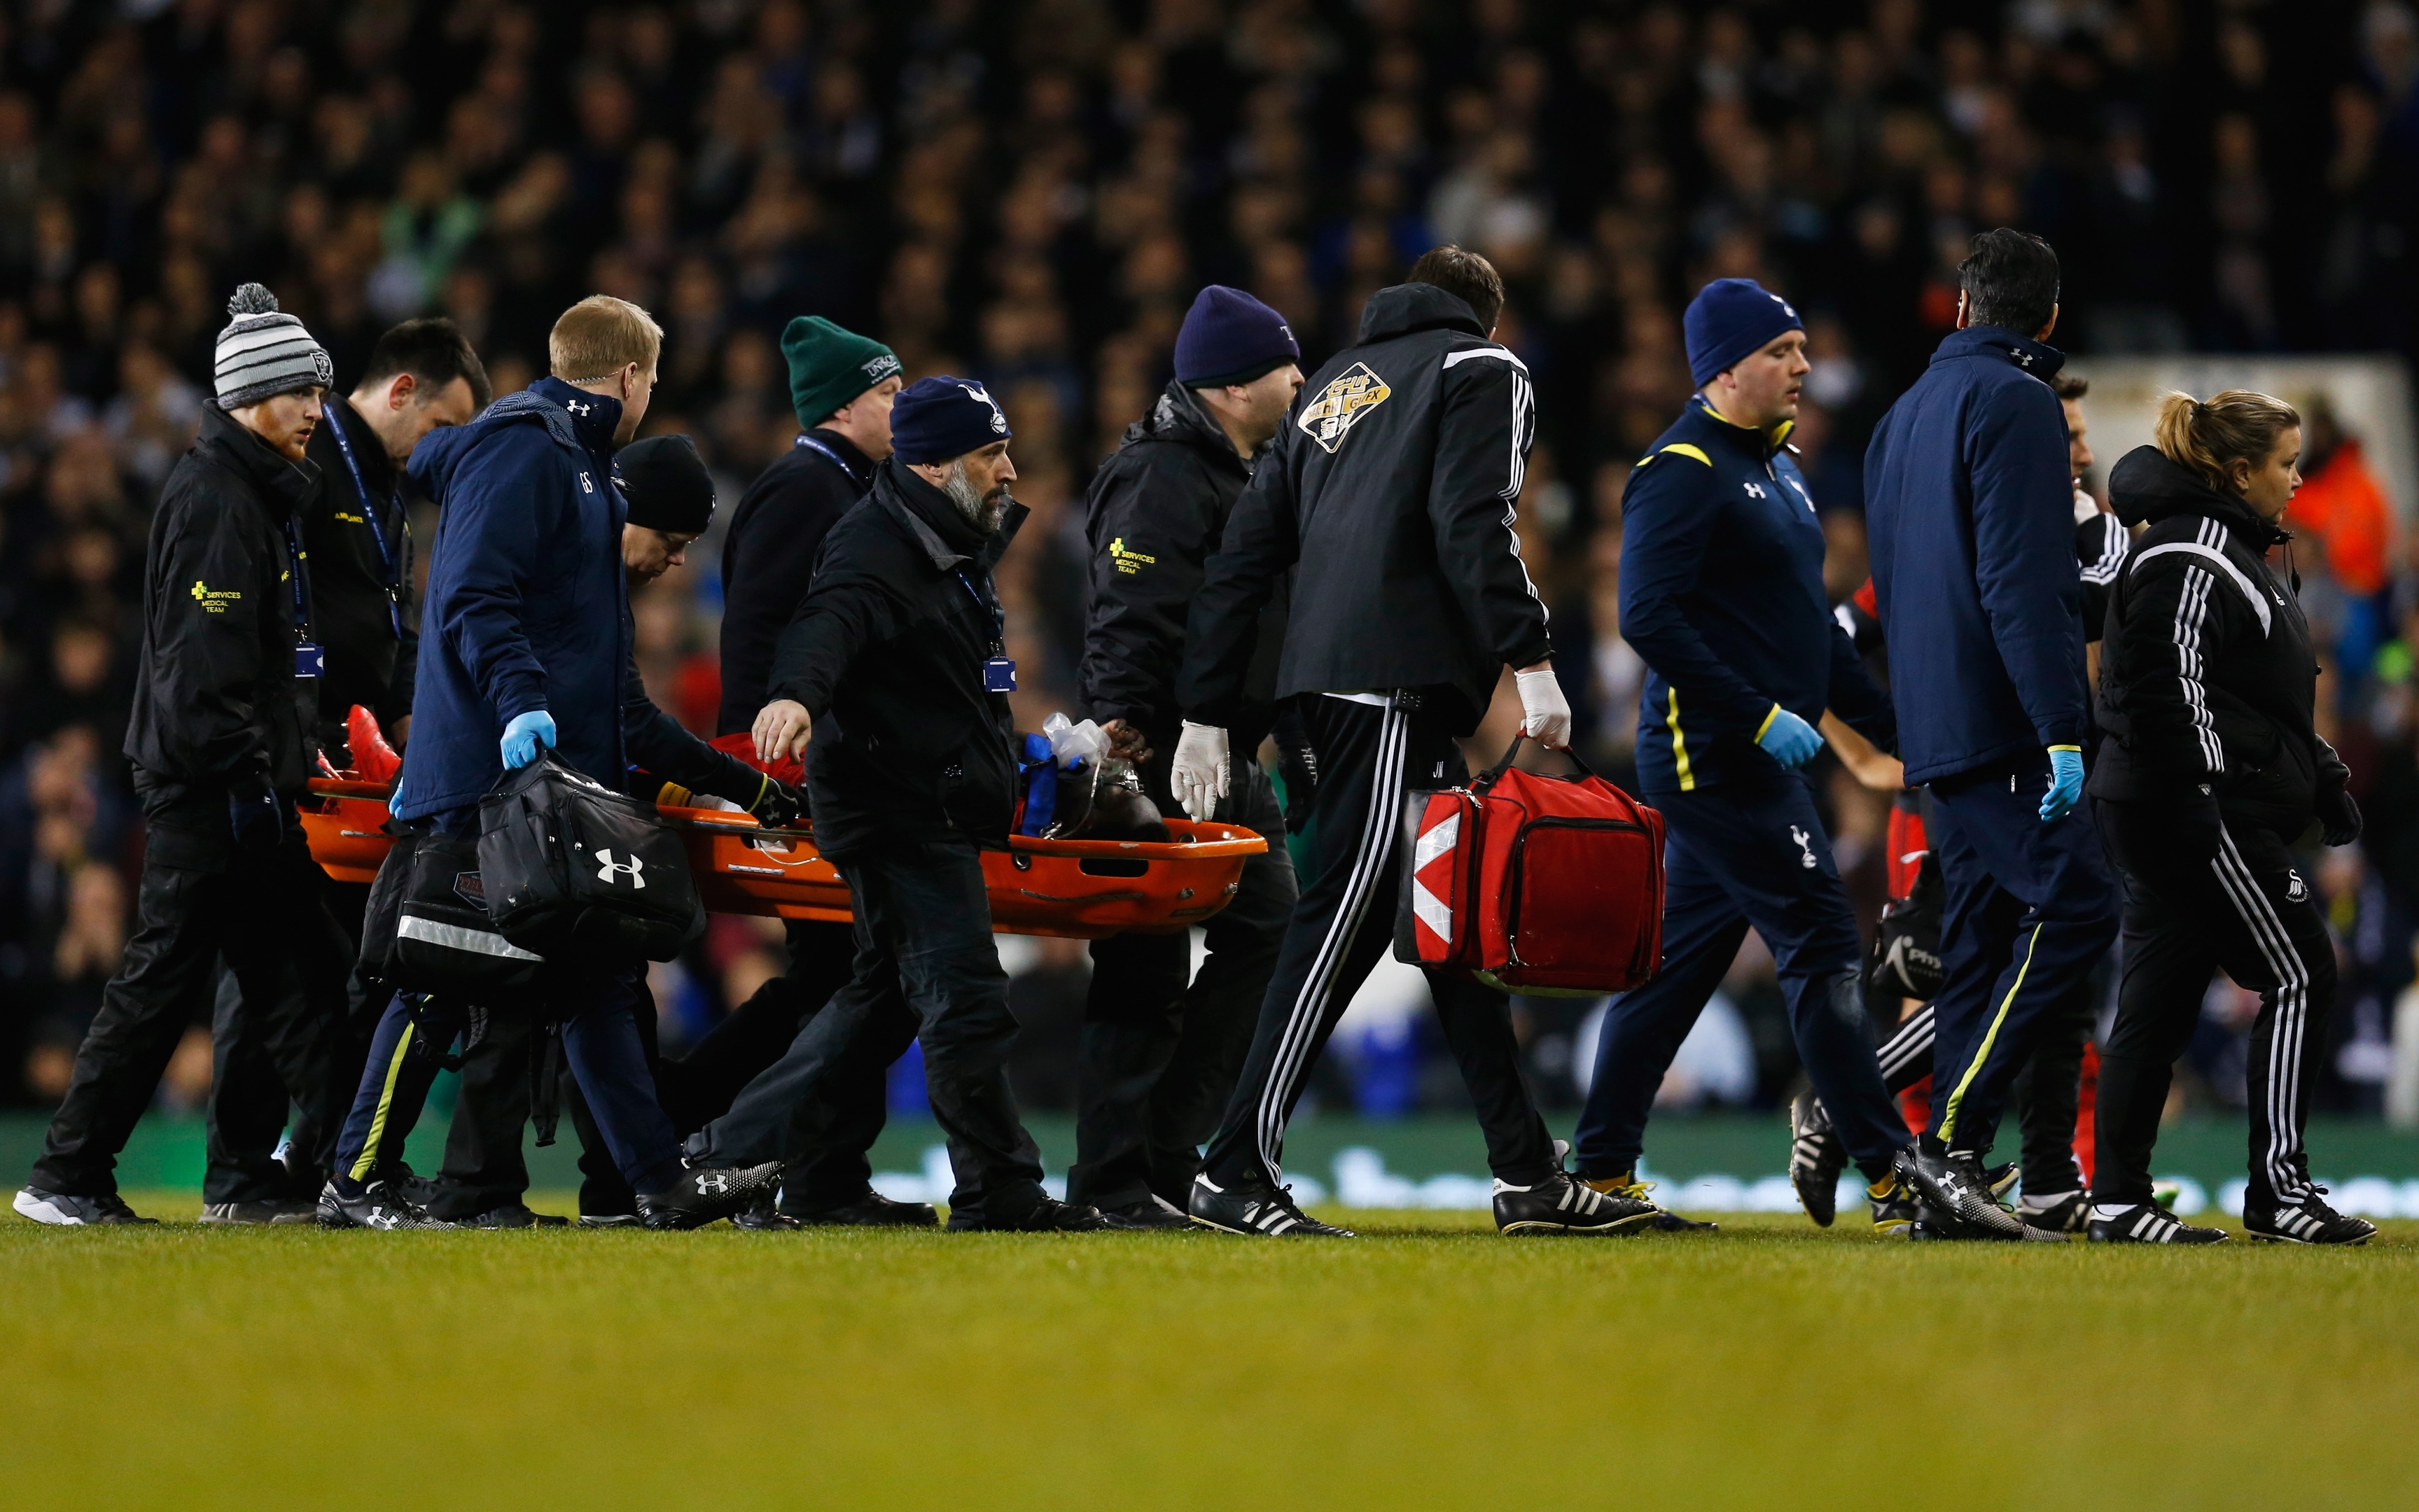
(1079,889)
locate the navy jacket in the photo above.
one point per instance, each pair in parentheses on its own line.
(1969,507)
(525,595)
(1721,596)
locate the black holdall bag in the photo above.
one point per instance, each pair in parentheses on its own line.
(577,871)
(1906,948)
(426,928)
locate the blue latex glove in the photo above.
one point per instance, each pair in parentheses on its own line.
(524,735)
(1792,741)
(2065,783)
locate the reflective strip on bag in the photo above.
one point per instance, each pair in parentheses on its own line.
(455,938)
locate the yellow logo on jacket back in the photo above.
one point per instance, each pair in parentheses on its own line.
(1339,406)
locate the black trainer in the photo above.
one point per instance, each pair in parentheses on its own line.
(1817,1158)
(1959,1196)
(1627,1185)
(71,1212)
(1562,1204)
(609,1220)
(515,1215)
(708,1195)
(2306,1222)
(1052,1216)
(378,1205)
(965,1220)
(1896,1209)
(1150,1213)
(2147,1223)
(1258,1210)
(871,1210)
(266,1211)
(2061,1212)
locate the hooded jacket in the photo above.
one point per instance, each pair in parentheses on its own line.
(525,607)
(1152,518)
(216,703)
(1721,596)
(886,655)
(359,593)
(1970,509)
(2207,678)
(769,553)
(1391,486)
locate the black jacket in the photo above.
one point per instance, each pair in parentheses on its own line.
(887,655)
(361,595)
(217,701)
(769,552)
(1152,516)
(1391,485)
(2207,680)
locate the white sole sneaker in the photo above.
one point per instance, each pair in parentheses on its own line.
(42,1210)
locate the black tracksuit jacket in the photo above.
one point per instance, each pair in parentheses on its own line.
(768,553)
(2207,679)
(1391,486)
(351,613)
(216,701)
(887,654)
(1152,518)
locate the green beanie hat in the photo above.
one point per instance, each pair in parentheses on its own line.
(829,366)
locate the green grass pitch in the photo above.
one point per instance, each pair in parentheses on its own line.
(1431,1363)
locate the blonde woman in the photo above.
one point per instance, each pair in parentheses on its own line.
(2209,772)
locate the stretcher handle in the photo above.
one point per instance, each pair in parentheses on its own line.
(1486,779)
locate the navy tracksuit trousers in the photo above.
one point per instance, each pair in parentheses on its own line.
(2029,909)
(1748,853)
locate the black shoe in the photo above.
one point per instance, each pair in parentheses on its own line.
(2147,1223)
(1561,1204)
(70,1212)
(1817,1158)
(1259,1211)
(1896,1209)
(609,1220)
(1959,1196)
(377,1207)
(2306,1222)
(2059,1214)
(1052,1216)
(1150,1213)
(965,1220)
(265,1212)
(1627,1185)
(871,1210)
(707,1194)
(764,1217)
(516,1215)
(2001,1179)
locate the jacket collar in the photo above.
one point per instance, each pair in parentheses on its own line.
(283,486)
(1399,310)
(853,461)
(1761,443)
(946,537)
(594,417)
(369,452)
(2146,487)
(2039,359)
(1180,416)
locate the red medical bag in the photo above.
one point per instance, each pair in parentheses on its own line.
(1544,886)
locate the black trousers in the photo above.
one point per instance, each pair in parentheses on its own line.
(2249,911)
(201,898)
(250,1102)
(2048,1087)
(1160,1056)
(1369,756)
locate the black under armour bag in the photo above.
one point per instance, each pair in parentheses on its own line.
(574,869)
(426,928)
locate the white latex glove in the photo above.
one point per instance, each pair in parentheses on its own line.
(1545,715)
(1200,776)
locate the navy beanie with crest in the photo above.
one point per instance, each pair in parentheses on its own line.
(1728,319)
(936,419)
(1230,337)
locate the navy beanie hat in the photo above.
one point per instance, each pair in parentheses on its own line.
(935,419)
(1731,319)
(666,484)
(1230,337)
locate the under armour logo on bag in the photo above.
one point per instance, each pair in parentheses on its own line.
(607,867)
(1754,490)
(1805,850)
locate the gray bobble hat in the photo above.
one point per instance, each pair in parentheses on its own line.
(262,353)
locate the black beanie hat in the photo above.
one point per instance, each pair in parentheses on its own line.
(666,484)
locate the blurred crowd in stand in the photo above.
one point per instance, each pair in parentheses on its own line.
(1031,192)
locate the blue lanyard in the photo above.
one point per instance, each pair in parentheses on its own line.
(992,608)
(378,531)
(810,443)
(294,580)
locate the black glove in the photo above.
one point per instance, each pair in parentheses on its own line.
(2338,818)
(778,805)
(258,819)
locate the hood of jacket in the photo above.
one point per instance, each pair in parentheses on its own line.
(1403,308)
(2146,487)
(282,485)
(2037,358)
(1180,417)
(578,419)
(946,537)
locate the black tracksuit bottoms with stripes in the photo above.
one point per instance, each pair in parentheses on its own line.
(2249,910)
(1369,756)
